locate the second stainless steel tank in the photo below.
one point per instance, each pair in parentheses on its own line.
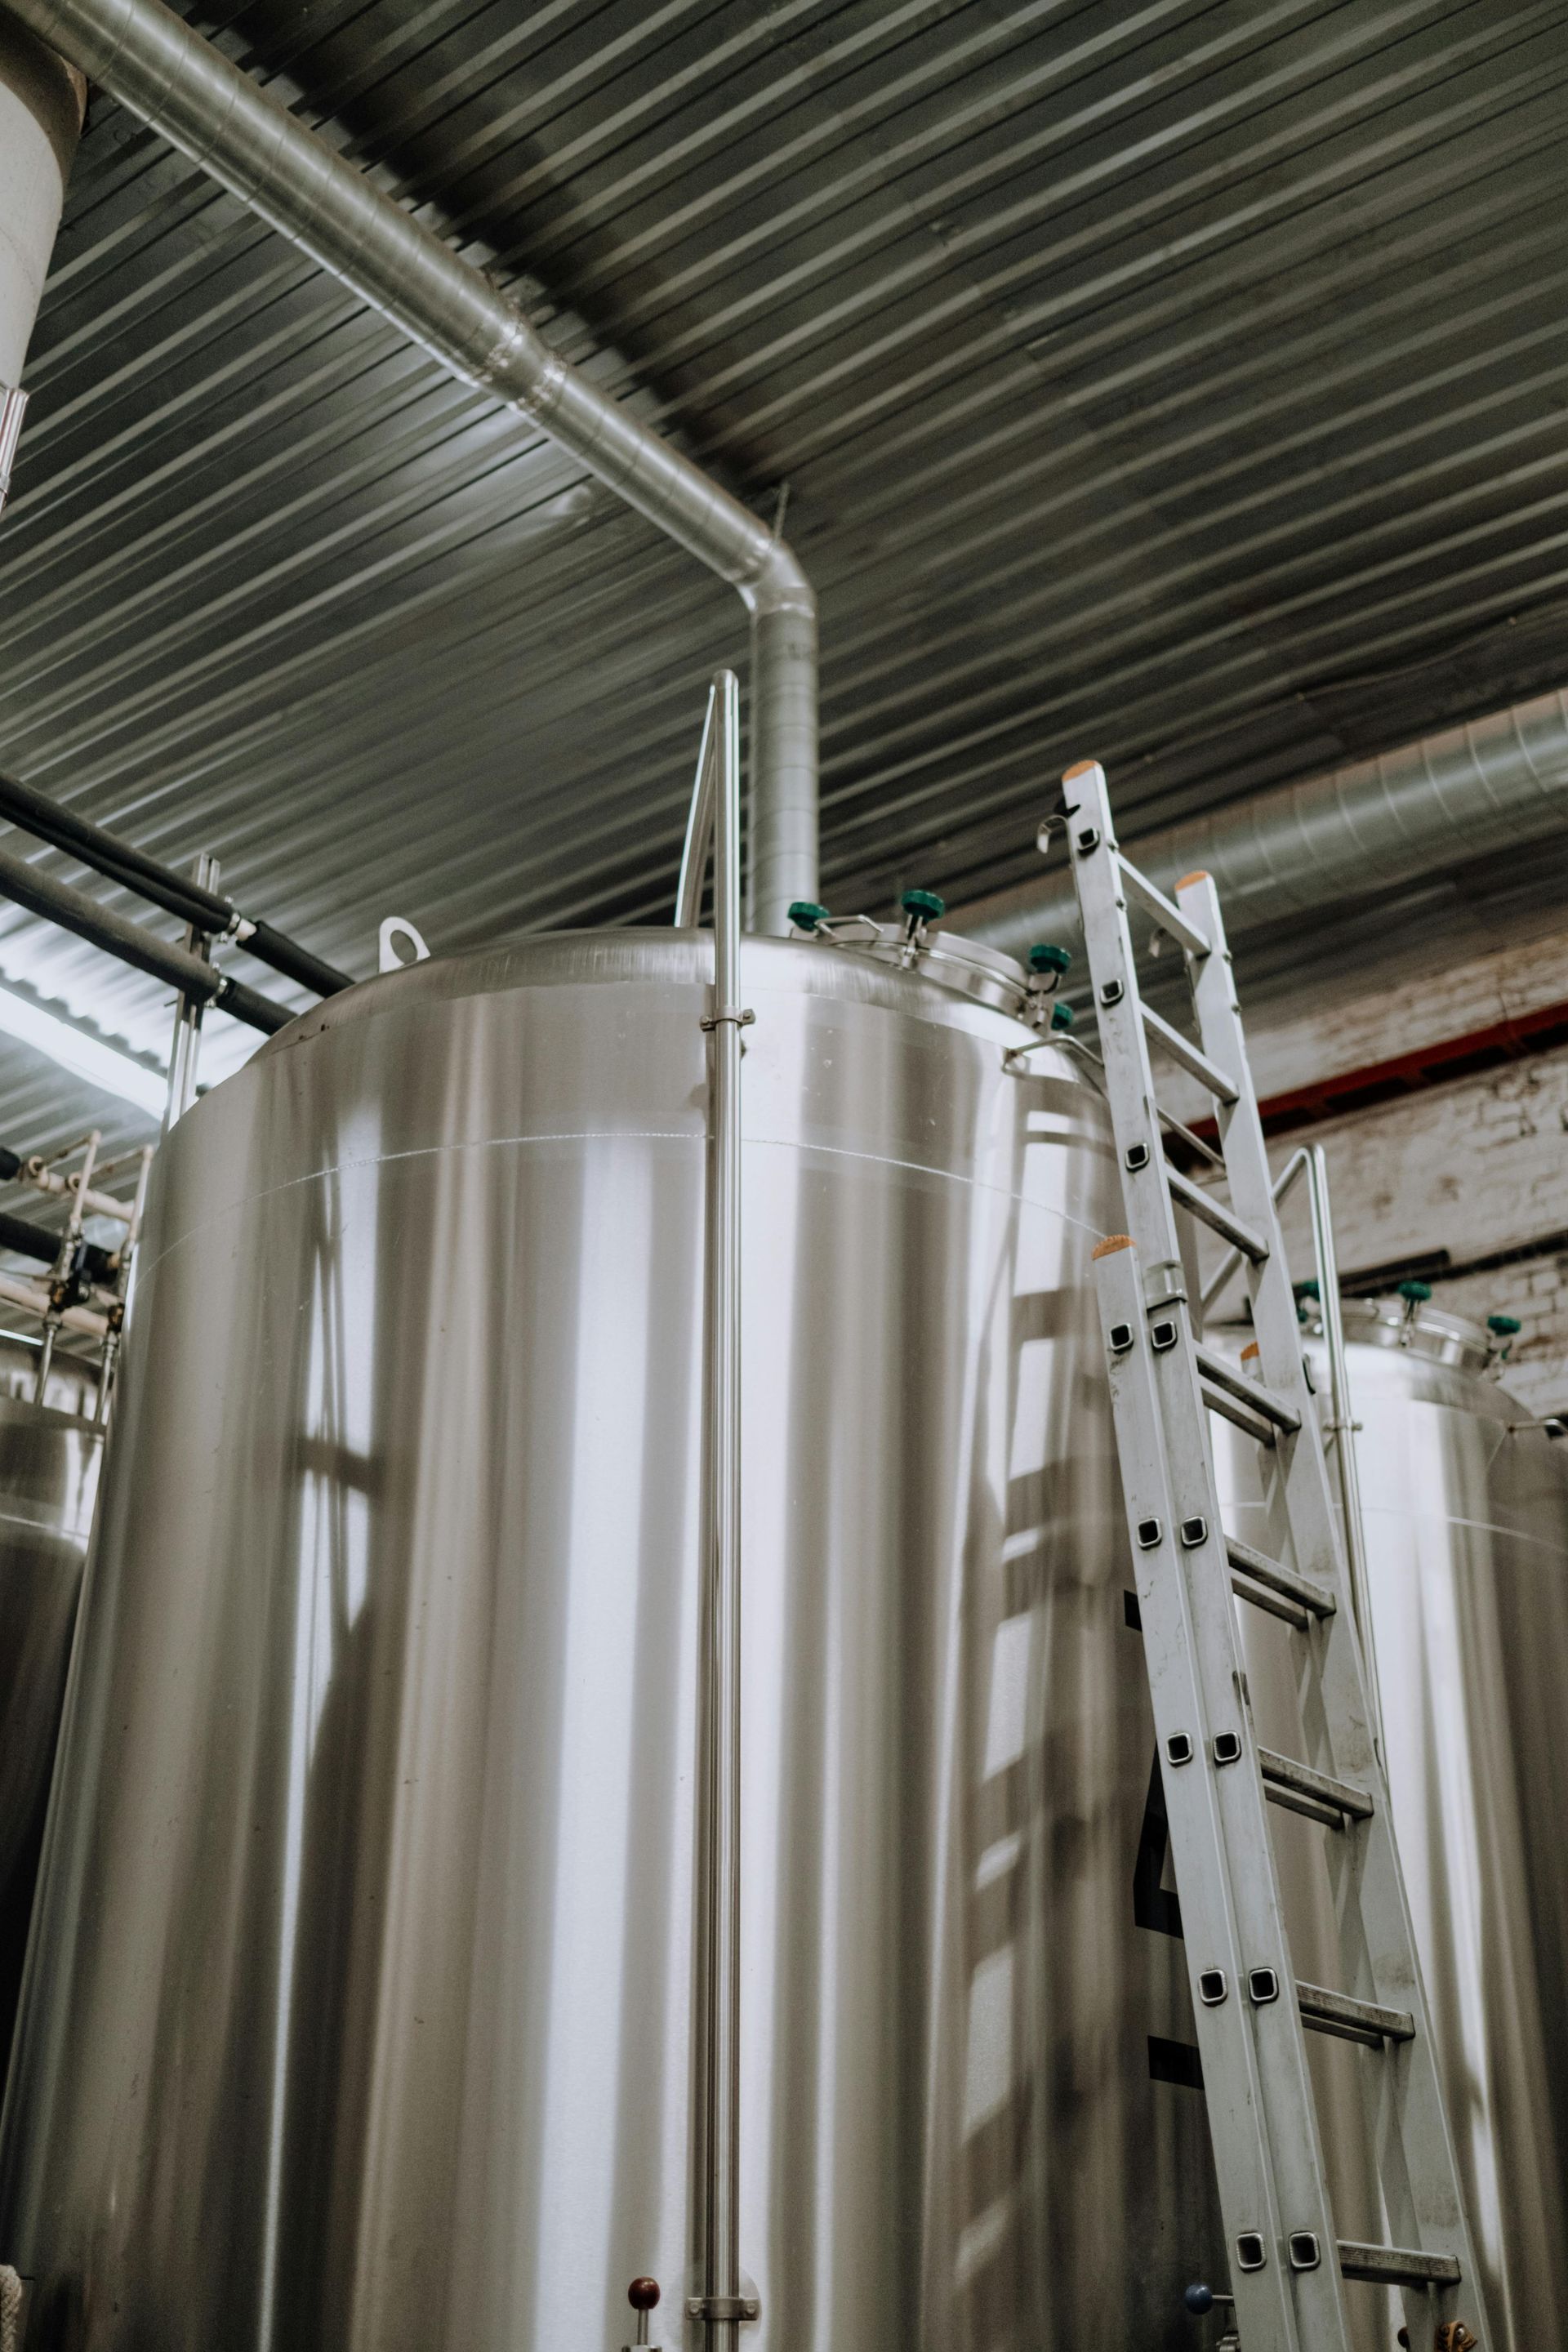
(359,2015)
(1466,1515)
(48,1476)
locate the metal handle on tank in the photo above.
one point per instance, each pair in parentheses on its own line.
(716,804)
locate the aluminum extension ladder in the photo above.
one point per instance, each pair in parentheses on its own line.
(1288,2262)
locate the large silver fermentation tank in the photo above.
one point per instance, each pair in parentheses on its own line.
(359,2012)
(1466,1513)
(49,1477)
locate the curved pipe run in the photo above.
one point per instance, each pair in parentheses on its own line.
(1352,833)
(150,60)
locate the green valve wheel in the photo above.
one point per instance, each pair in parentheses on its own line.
(1050,958)
(1309,1290)
(1061,1016)
(1504,1327)
(923,903)
(806,916)
(1418,1292)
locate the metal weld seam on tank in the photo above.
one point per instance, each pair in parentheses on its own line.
(74,911)
(149,59)
(1375,825)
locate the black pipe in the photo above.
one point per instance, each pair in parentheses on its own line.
(135,871)
(36,1240)
(74,911)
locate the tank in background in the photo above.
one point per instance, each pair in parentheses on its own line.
(360,2008)
(1466,1532)
(49,1477)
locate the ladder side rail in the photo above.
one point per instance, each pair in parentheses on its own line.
(1407,2114)
(1249,1930)
(1233,2092)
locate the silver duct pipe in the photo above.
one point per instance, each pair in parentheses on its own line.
(1358,831)
(41,105)
(151,60)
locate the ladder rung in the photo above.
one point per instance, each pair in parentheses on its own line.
(1397,2266)
(1304,1790)
(1236,1409)
(1352,2021)
(1264,1400)
(1279,1577)
(1192,1058)
(1161,910)
(1273,1602)
(1216,1216)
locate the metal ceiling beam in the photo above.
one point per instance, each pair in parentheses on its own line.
(152,61)
(1356,833)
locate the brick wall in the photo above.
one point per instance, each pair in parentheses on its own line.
(1477,1166)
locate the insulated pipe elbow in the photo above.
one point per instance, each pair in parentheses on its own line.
(146,56)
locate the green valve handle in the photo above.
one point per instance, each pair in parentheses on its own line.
(1504,1325)
(1061,1016)
(806,916)
(1309,1290)
(923,903)
(1418,1292)
(1049,959)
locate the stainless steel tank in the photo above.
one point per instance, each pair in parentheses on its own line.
(48,1476)
(1466,1513)
(359,2013)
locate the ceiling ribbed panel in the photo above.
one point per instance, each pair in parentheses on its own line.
(1184,385)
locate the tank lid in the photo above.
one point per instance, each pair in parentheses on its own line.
(1416,1326)
(946,957)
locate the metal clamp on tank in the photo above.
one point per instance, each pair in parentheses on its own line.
(1415,1294)
(1200,2300)
(643,2295)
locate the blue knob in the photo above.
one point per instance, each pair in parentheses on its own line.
(1199,2299)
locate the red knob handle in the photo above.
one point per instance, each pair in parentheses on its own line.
(643,2294)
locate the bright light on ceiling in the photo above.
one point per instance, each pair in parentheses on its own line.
(85,1058)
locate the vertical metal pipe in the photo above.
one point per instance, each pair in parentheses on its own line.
(718,1978)
(185,1052)
(783,865)
(699,824)
(1342,1422)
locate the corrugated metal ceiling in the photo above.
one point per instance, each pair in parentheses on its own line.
(1185,384)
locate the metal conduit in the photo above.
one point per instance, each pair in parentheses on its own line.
(1379,824)
(151,60)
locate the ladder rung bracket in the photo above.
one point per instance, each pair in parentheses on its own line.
(1192,1058)
(1352,2021)
(1397,2266)
(1236,1410)
(1216,1216)
(1274,1603)
(1225,1375)
(1279,1577)
(1283,1772)
(1160,909)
